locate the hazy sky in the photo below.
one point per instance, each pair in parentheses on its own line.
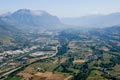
(63,8)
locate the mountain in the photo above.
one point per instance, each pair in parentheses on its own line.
(5,14)
(94,20)
(26,19)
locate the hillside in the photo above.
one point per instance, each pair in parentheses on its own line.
(7,32)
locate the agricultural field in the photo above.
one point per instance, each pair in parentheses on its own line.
(44,69)
(95,75)
(69,56)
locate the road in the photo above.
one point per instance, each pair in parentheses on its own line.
(7,73)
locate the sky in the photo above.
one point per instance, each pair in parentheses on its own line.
(63,8)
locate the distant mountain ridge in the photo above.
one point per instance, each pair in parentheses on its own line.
(94,20)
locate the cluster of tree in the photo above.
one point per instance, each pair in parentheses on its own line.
(64,67)
(83,73)
(62,49)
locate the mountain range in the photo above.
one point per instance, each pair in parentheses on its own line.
(97,21)
(27,20)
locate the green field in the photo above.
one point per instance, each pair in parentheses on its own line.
(49,66)
(95,75)
(106,57)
